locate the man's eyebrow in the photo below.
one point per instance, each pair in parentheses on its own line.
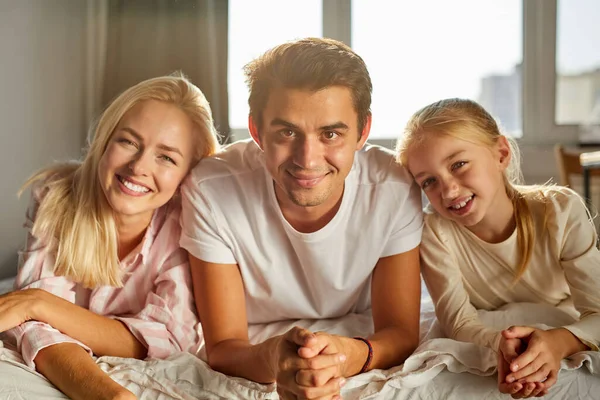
(282,122)
(287,124)
(335,126)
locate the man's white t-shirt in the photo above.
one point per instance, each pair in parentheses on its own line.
(231,216)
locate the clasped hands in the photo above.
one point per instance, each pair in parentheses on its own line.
(309,365)
(528,361)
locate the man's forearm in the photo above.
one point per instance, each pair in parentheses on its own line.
(391,346)
(240,358)
(70,368)
(103,335)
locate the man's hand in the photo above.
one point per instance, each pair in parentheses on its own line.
(307,368)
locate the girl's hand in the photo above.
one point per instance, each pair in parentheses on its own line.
(540,362)
(508,350)
(19,306)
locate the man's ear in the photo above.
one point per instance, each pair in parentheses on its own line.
(364,135)
(254,131)
(504,152)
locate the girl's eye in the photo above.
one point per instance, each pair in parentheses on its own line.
(426,183)
(330,135)
(458,165)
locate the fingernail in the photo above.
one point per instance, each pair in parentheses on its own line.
(342,382)
(510,379)
(342,357)
(515,367)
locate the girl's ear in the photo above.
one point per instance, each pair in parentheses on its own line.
(503,151)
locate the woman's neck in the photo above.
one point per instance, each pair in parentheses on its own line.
(130,232)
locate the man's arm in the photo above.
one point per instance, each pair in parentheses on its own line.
(70,368)
(220,299)
(221,304)
(396,301)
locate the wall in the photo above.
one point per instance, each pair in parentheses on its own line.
(41,101)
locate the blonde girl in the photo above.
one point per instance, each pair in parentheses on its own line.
(102,272)
(489,241)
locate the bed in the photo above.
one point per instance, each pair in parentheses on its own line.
(440,368)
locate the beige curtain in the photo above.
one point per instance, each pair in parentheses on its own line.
(148,38)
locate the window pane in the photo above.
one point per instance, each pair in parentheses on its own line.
(419,52)
(578,62)
(253,31)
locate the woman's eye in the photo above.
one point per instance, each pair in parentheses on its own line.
(168,159)
(127,142)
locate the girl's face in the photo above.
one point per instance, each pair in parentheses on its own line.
(462,180)
(147,157)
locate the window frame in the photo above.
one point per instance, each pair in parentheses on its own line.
(539,70)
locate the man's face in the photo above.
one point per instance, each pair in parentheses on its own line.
(309,139)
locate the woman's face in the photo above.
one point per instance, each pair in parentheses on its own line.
(147,157)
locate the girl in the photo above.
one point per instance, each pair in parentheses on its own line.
(490,241)
(102,273)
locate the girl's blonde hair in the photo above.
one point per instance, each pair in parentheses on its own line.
(467,120)
(74,216)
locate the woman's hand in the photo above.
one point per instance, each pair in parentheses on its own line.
(20,306)
(308,367)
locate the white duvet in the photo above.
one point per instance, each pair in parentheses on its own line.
(439,369)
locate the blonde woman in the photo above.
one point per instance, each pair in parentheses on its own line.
(102,272)
(491,241)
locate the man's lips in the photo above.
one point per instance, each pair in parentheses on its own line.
(308,181)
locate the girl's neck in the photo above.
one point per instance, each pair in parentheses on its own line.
(499,224)
(130,232)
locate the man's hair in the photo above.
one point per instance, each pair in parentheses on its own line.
(312,64)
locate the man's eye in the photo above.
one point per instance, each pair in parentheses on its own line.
(330,135)
(287,133)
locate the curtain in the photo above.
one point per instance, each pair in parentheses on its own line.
(148,38)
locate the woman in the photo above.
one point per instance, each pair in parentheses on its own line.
(102,272)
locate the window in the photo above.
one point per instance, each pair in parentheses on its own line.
(420,52)
(578,62)
(252,31)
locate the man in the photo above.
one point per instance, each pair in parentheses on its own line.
(304,222)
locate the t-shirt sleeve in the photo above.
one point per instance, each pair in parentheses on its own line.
(408,225)
(442,275)
(200,233)
(570,222)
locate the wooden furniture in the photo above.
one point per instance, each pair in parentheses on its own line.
(590,163)
(577,163)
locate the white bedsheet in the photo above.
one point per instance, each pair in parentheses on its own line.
(439,369)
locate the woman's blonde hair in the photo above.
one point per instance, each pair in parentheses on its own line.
(74,216)
(467,120)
